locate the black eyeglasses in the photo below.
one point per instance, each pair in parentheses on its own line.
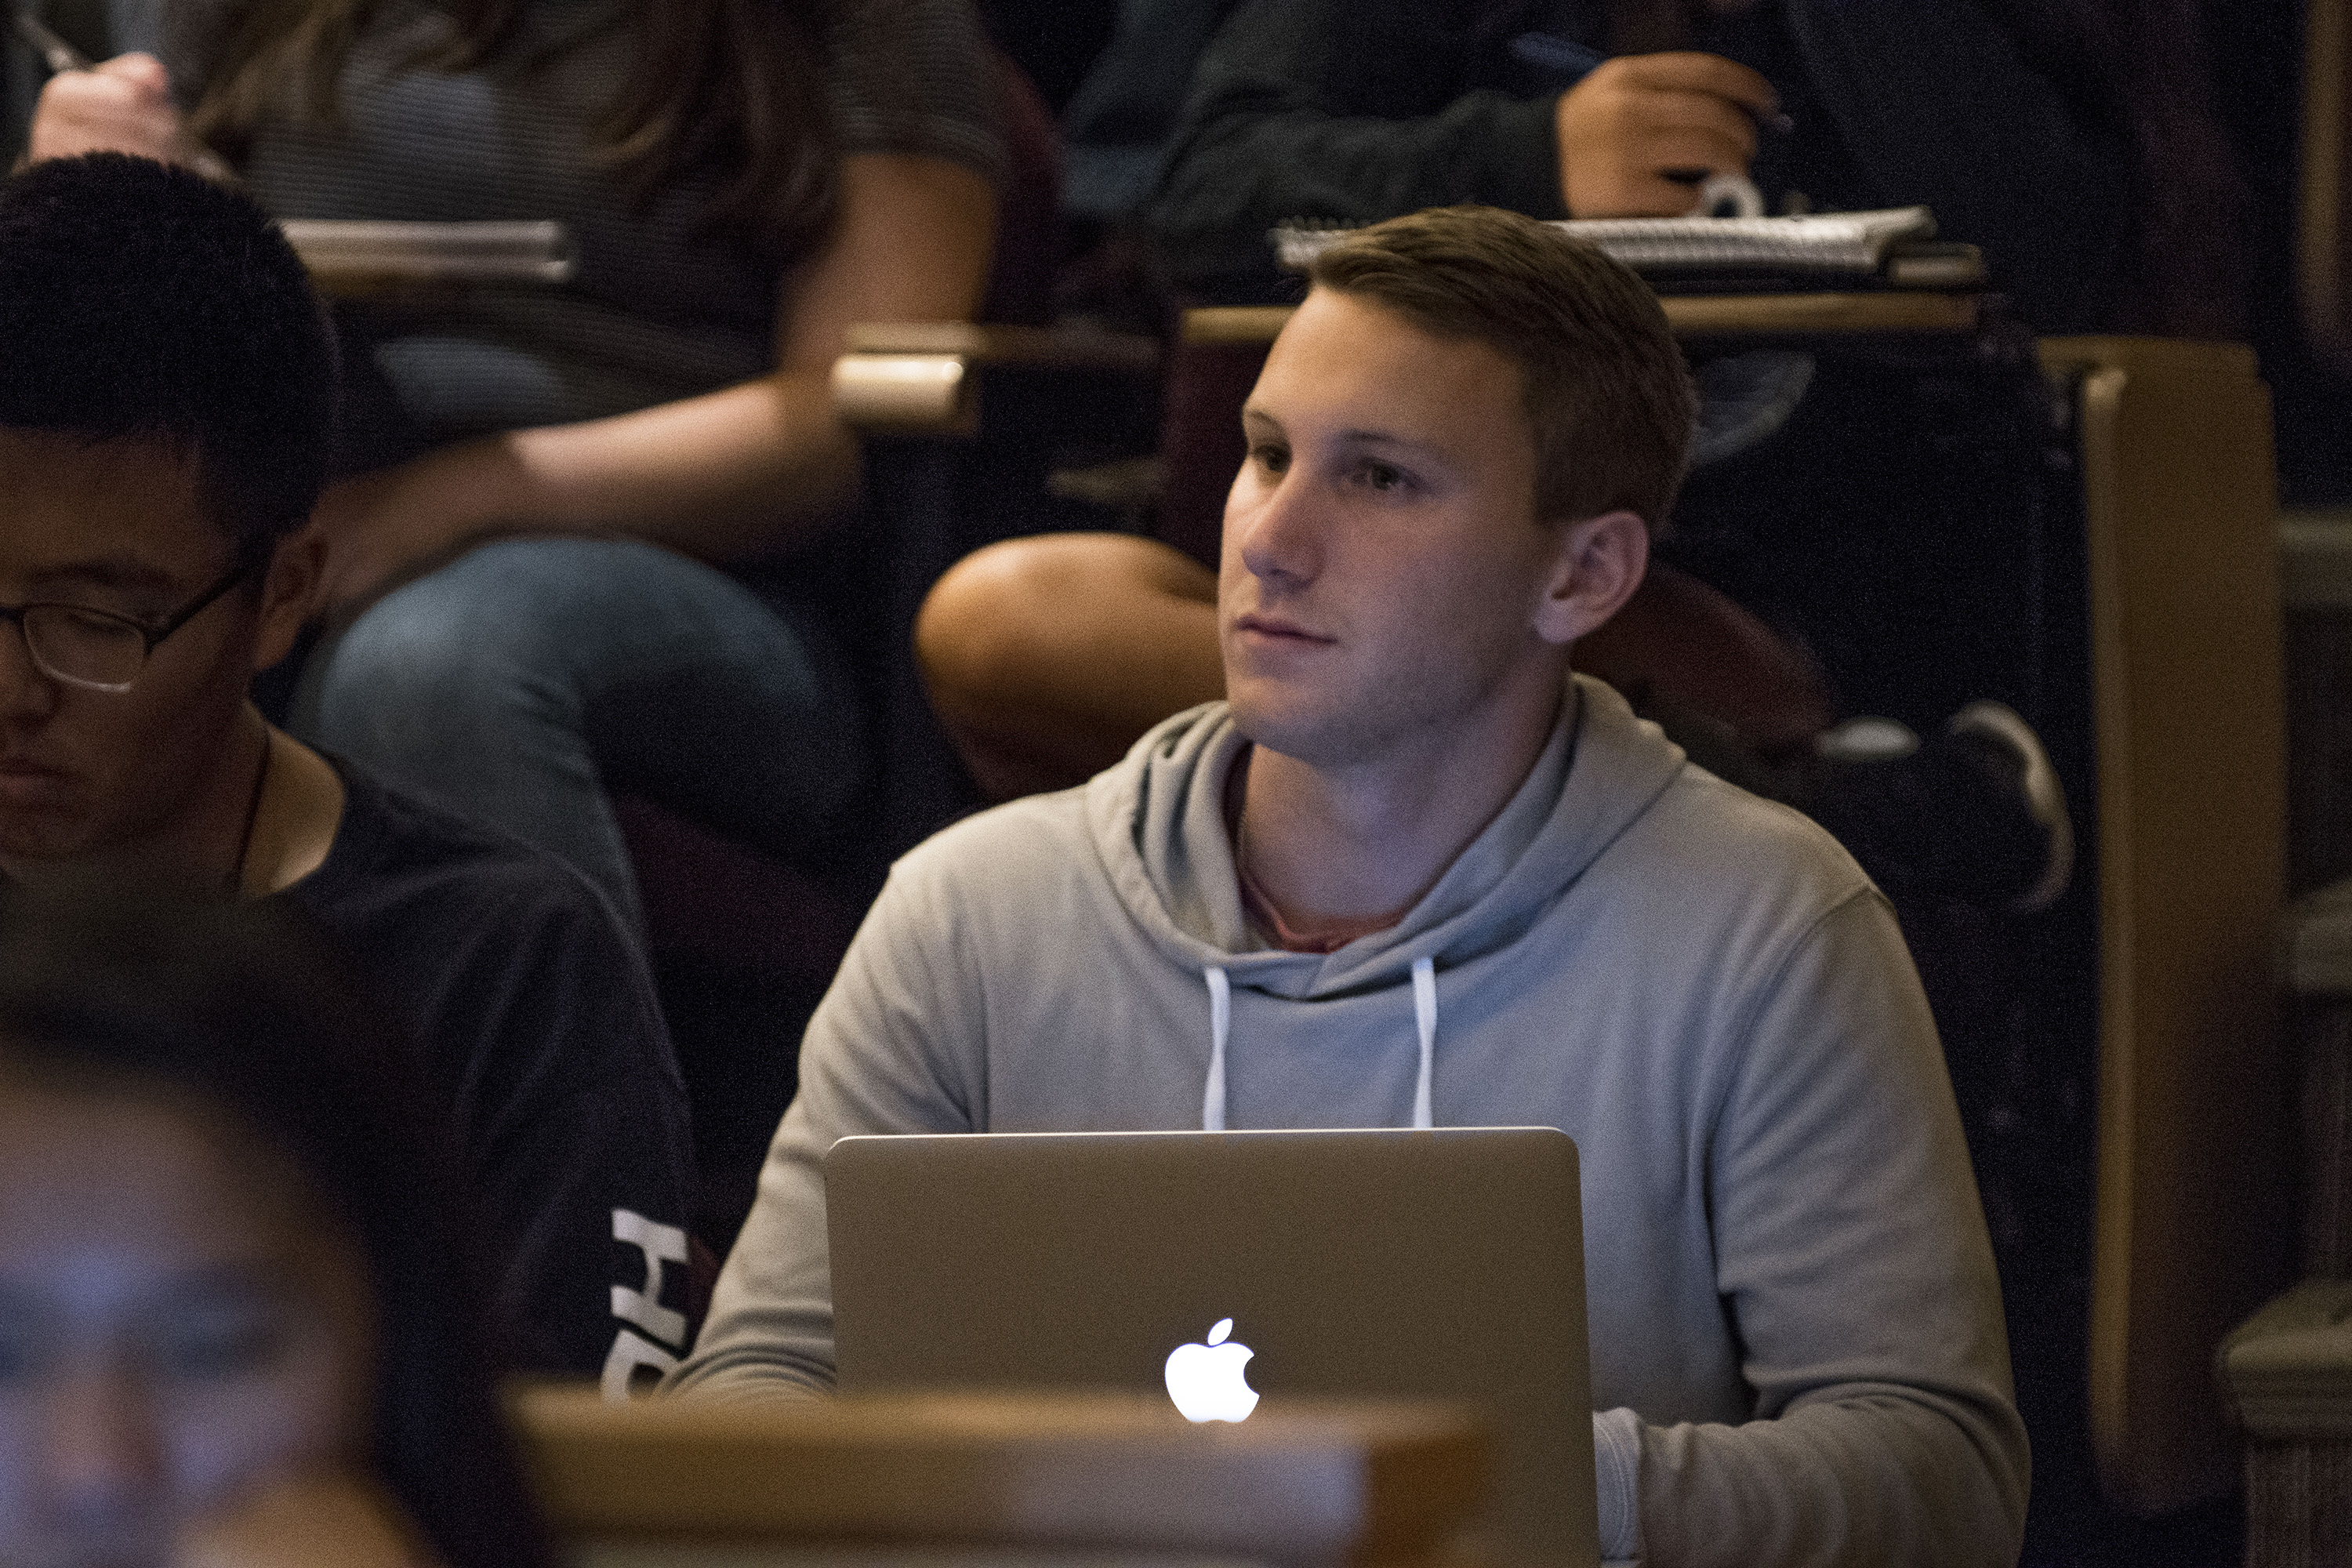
(97,650)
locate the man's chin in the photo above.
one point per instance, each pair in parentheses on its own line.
(1309,731)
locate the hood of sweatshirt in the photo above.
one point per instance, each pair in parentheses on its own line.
(1157,820)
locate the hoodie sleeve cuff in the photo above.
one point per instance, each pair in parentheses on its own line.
(1616,1465)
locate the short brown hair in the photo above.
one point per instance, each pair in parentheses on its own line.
(1609,399)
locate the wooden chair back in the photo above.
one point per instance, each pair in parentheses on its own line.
(2195,1164)
(2324,240)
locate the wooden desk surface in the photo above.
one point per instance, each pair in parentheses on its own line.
(1297,1483)
(914,378)
(983,344)
(1690,315)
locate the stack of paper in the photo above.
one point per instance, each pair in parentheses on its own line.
(537,253)
(1886,247)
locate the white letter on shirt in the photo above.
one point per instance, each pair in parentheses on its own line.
(660,1243)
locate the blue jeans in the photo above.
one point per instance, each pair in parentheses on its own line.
(520,683)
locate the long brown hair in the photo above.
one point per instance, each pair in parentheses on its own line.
(730,86)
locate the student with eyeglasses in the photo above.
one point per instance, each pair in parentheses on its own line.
(166,399)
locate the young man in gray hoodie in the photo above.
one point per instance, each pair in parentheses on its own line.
(1411,872)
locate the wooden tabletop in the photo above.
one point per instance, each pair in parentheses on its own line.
(1691,315)
(1299,1483)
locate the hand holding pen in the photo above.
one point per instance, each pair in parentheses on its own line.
(1639,131)
(121,105)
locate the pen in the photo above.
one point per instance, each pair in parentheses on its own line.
(61,57)
(1551,52)
(54,52)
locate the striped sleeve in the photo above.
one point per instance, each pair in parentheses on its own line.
(916,77)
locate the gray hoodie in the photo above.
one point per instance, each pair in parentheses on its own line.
(1796,1345)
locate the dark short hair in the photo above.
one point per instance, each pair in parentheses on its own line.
(1607,396)
(241,1012)
(143,301)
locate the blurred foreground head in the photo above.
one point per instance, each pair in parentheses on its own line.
(228,1257)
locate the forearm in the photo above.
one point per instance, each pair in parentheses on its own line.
(578,1120)
(1879,1475)
(749,470)
(1853,1253)
(770,1332)
(884,1053)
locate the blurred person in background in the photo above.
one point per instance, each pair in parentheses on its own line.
(237,1319)
(543,487)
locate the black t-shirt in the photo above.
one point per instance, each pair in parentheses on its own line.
(538,1019)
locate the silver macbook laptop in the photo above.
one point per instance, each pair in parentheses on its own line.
(1222,1266)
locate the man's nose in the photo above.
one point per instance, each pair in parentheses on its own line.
(1274,523)
(100,1460)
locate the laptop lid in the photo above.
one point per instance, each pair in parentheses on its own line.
(1445,1264)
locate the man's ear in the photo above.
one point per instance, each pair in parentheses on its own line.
(290,592)
(1600,561)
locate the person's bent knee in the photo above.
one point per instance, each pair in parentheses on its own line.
(407,658)
(1006,616)
(496,637)
(1046,657)
(970,632)
(994,629)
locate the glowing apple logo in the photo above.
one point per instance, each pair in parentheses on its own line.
(1207,1381)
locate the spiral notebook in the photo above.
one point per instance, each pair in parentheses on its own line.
(1892,247)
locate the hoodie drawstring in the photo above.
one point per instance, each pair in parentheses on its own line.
(1425,1017)
(1221,1021)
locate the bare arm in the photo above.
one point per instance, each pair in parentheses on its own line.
(744,471)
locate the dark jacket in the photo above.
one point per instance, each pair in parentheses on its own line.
(1362,109)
